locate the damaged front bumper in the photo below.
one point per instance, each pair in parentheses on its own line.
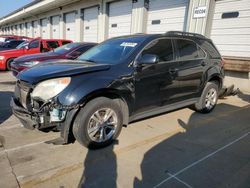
(39,120)
(46,120)
(29,120)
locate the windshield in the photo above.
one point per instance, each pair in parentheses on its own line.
(22,45)
(112,51)
(66,48)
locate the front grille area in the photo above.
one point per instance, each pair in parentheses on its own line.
(23,90)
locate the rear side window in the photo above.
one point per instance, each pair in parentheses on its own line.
(188,50)
(52,44)
(162,48)
(65,42)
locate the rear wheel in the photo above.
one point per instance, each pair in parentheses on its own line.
(208,98)
(8,64)
(98,123)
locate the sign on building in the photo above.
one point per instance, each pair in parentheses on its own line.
(200,12)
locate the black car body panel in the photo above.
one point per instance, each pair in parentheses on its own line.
(145,89)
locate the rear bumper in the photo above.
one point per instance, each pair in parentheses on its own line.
(28,120)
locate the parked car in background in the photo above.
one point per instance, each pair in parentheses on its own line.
(68,51)
(6,38)
(12,44)
(121,80)
(34,46)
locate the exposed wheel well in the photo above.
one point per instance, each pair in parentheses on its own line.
(216,79)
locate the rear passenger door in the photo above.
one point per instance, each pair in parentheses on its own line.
(192,62)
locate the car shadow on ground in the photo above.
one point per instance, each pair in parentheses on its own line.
(5,110)
(203,134)
(243,96)
(100,168)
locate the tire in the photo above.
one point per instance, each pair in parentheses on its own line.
(8,67)
(91,122)
(208,99)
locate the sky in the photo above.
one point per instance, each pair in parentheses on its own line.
(8,6)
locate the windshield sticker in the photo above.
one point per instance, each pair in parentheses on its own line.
(128,44)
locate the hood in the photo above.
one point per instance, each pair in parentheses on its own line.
(13,51)
(59,68)
(37,57)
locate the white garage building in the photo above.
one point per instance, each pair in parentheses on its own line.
(227,22)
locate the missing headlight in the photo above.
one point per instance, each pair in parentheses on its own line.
(57,115)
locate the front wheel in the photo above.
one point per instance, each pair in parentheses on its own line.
(8,64)
(208,98)
(98,123)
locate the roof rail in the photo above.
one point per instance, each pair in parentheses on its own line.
(182,33)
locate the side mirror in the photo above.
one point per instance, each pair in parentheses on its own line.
(148,59)
(26,47)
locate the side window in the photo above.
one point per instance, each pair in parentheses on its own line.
(52,44)
(65,42)
(201,53)
(162,48)
(188,50)
(34,44)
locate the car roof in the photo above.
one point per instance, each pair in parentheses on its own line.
(180,34)
(56,40)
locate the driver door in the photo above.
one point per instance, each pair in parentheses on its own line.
(156,84)
(34,47)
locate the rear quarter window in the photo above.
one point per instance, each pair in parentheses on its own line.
(210,49)
(52,44)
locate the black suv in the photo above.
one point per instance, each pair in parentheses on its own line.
(121,80)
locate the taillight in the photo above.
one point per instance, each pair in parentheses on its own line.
(222,62)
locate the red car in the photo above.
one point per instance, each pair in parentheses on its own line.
(29,47)
(68,51)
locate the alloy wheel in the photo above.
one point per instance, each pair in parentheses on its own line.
(102,125)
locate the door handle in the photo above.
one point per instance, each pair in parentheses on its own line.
(172,71)
(203,63)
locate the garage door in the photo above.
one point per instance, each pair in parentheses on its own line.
(35,29)
(22,29)
(18,30)
(120,14)
(90,24)
(44,28)
(168,15)
(55,21)
(70,25)
(29,29)
(231,28)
